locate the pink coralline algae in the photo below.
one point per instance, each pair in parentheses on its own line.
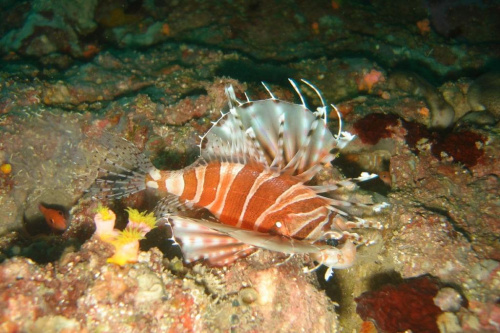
(370,79)
(398,308)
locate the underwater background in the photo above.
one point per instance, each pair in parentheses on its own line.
(417,82)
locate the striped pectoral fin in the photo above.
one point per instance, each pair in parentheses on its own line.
(199,242)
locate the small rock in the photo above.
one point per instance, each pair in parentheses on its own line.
(448,323)
(150,288)
(248,295)
(448,299)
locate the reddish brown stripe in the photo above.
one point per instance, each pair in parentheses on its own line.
(291,223)
(264,197)
(237,194)
(190,184)
(161,182)
(228,172)
(309,227)
(212,176)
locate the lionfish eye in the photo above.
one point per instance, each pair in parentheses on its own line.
(332,242)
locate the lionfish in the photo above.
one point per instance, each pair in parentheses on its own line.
(252,176)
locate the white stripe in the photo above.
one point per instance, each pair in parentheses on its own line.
(200,181)
(309,216)
(227,170)
(152,184)
(283,196)
(155,174)
(261,179)
(175,183)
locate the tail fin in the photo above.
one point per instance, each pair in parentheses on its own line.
(123,169)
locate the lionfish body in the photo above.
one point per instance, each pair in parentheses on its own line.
(251,198)
(252,177)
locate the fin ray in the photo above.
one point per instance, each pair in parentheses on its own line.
(198,241)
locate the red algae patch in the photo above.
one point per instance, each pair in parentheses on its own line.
(398,308)
(374,127)
(465,147)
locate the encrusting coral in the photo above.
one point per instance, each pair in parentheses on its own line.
(125,242)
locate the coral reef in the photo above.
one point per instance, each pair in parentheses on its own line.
(82,293)
(155,72)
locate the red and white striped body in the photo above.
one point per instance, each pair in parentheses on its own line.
(250,197)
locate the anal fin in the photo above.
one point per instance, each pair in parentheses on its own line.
(200,242)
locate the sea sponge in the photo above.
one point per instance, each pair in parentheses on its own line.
(484,94)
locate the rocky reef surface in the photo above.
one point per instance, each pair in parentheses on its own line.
(418,86)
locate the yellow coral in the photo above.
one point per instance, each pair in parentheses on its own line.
(125,253)
(106,213)
(126,247)
(141,220)
(127,235)
(126,242)
(104,220)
